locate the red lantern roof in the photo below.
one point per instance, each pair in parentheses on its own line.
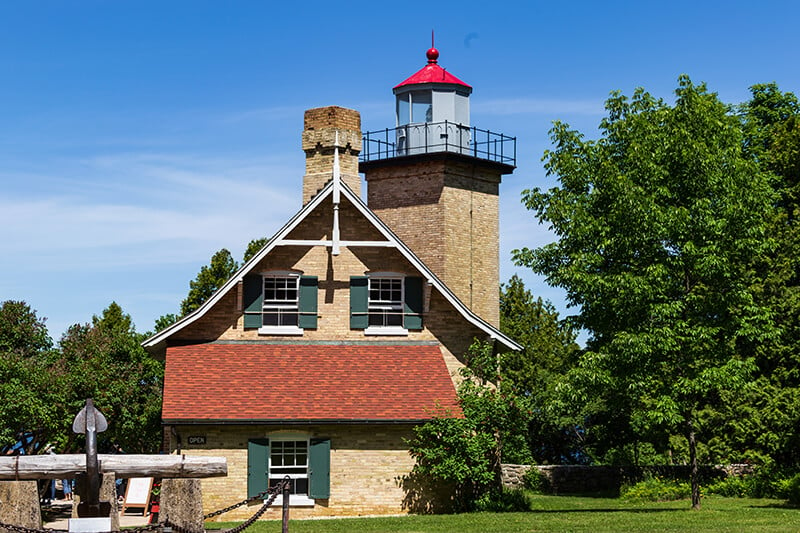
(432,73)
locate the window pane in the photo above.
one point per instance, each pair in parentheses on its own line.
(394,319)
(421,109)
(289,319)
(271,319)
(402,110)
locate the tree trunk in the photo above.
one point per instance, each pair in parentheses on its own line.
(693,465)
(497,461)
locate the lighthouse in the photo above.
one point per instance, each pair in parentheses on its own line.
(434,179)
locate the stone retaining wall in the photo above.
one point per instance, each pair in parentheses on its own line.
(577,479)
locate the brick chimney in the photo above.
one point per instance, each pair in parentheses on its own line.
(321,126)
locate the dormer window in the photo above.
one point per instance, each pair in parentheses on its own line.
(386,303)
(280,303)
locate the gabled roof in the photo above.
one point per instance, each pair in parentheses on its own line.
(306,383)
(391,240)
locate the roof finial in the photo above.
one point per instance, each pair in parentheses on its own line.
(433,53)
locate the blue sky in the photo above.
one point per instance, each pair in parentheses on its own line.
(138,138)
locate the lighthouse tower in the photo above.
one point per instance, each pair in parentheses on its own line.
(434,179)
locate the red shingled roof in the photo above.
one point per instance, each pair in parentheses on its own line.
(311,382)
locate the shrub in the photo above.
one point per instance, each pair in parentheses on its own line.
(656,489)
(734,487)
(793,490)
(503,501)
(535,481)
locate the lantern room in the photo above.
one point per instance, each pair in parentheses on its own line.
(432,116)
(432,95)
(432,110)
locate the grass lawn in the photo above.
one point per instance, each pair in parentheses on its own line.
(567,513)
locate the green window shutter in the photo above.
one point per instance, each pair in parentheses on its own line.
(253,292)
(412,303)
(257,466)
(308,302)
(319,469)
(359,301)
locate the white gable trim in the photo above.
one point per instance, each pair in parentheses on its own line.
(391,241)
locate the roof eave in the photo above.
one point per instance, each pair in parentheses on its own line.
(293,421)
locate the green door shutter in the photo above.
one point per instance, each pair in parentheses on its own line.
(257,466)
(319,469)
(308,302)
(359,300)
(253,292)
(412,303)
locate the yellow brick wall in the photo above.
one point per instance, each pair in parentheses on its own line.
(447,212)
(368,464)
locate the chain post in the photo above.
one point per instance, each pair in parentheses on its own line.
(285,502)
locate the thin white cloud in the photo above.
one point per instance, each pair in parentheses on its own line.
(548,106)
(142,209)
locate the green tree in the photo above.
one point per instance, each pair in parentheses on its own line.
(549,346)
(165,321)
(21,331)
(466,453)
(209,279)
(549,350)
(762,424)
(658,223)
(253,247)
(105,361)
(28,401)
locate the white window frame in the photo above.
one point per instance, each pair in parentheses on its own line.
(277,305)
(295,500)
(386,305)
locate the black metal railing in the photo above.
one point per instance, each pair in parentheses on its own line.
(433,137)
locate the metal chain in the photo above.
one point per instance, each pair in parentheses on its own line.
(143,529)
(259,496)
(23,529)
(274,491)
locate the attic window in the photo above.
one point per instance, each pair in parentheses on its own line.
(280,303)
(386,303)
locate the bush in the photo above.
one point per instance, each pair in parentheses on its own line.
(793,490)
(535,481)
(503,501)
(767,482)
(734,487)
(656,490)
